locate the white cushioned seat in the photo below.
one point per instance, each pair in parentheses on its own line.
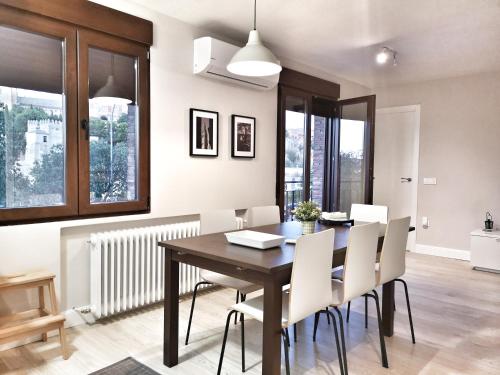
(255,308)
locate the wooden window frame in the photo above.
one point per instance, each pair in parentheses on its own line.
(46,27)
(369,145)
(293,83)
(309,88)
(83,23)
(90,39)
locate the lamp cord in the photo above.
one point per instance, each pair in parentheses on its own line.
(255,15)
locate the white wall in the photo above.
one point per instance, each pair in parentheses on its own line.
(180,185)
(459,145)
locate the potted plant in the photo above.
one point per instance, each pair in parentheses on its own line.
(307,213)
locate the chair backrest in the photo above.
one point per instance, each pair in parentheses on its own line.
(310,285)
(392,257)
(360,259)
(263,215)
(368,213)
(217,221)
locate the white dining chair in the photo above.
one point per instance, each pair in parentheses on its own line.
(263,215)
(368,213)
(359,280)
(362,214)
(310,291)
(214,222)
(392,263)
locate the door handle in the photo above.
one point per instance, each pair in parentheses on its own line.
(405,179)
(85,126)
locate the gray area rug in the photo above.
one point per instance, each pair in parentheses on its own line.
(127,366)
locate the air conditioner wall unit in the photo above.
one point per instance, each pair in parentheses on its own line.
(211,57)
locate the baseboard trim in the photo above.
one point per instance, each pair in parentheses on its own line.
(442,252)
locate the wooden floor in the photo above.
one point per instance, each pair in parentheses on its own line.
(456,315)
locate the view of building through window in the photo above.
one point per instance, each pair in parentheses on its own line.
(352,162)
(294,160)
(318,134)
(32,139)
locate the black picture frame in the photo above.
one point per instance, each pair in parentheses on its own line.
(197,143)
(239,148)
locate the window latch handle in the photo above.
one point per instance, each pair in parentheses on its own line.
(85,126)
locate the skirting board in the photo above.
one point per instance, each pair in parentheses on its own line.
(442,252)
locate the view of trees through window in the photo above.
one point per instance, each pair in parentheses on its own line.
(31,148)
(352,163)
(112,151)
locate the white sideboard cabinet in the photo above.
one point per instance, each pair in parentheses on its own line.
(485,250)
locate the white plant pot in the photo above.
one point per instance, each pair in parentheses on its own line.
(308,227)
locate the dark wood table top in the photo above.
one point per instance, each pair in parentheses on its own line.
(216,247)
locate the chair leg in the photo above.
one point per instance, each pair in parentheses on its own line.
(242,320)
(316,320)
(366,311)
(348,311)
(192,308)
(226,329)
(337,342)
(327,316)
(381,335)
(286,345)
(342,338)
(295,332)
(237,301)
(409,309)
(287,336)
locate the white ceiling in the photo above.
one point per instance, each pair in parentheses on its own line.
(434,38)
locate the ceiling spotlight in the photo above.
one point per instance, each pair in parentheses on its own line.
(385,55)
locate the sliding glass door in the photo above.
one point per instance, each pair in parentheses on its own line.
(295,110)
(325,150)
(355,122)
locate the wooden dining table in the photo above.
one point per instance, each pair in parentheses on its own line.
(271,268)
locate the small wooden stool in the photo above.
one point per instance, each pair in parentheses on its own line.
(35,321)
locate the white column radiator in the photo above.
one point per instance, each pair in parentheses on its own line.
(127,267)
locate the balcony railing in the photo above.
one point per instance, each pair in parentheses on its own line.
(294,194)
(351,190)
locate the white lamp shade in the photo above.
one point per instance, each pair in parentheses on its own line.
(112,93)
(254,60)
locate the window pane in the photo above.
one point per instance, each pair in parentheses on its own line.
(295,120)
(113,115)
(352,156)
(32,120)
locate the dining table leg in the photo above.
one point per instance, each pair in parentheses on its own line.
(171,311)
(388,308)
(271,337)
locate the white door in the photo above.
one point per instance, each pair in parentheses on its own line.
(396,162)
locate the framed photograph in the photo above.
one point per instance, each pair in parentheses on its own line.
(203,133)
(242,137)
